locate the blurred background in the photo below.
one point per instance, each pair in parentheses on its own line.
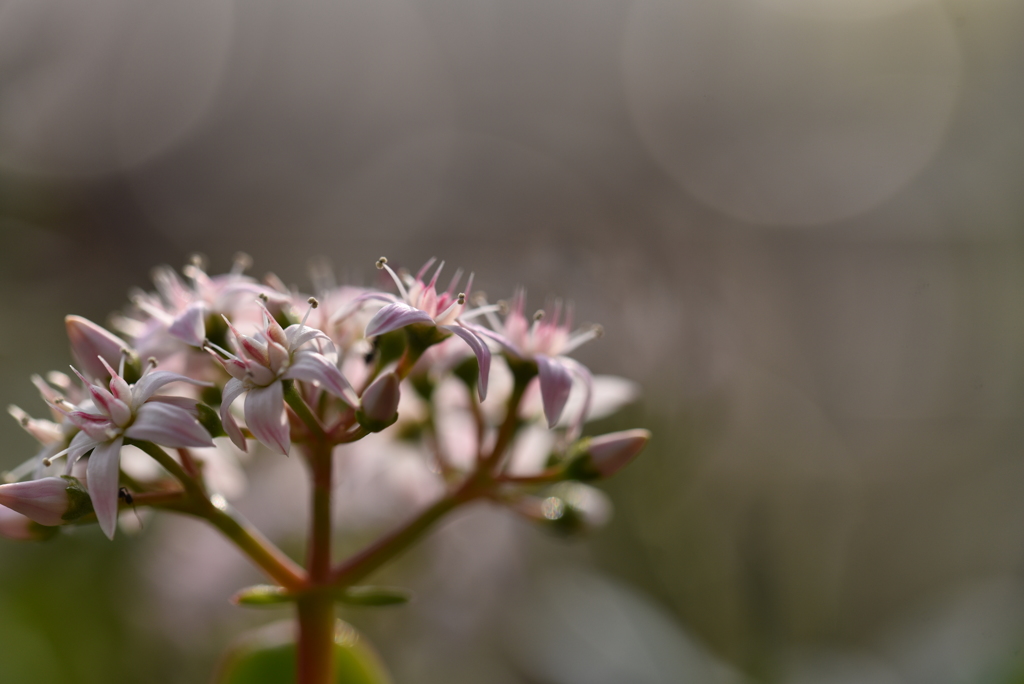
(800,222)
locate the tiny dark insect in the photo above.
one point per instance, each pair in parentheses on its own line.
(123,493)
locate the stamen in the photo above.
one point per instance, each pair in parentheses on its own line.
(461,299)
(503,307)
(382,263)
(120,364)
(151,363)
(197,260)
(582,336)
(538,315)
(313,303)
(242,262)
(262,296)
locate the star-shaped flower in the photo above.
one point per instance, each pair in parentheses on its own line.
(421,304)
(122,411)
(259,365)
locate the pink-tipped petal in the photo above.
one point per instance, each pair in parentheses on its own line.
(265,417)
(394,316)
(89,342)
(313,367)
(169,426)
(190,325)
(232,389)
(44,500)
(102,478)
(555,384)
(149,383)
(482,352)
(611,453)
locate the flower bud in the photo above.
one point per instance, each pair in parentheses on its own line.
(15,526)
(90,341)
(48,501)
(379,404)
(601,457)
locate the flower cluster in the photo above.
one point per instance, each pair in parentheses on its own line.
(488,397)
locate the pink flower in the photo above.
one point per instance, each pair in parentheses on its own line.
(90,343)
(258,367)
(122,411)
(421,304)
(49,501)
(546,341)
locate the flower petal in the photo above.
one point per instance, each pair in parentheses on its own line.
(299,335)
(394,316)
(583,373)
(264,414)
(80,445)
(102,481)
(169,426)
(232,389)
(149,383)
(555,384)
(314,367)
(483,355)
(190,325)
(89,342)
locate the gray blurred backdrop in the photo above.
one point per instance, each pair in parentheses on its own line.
(799,221)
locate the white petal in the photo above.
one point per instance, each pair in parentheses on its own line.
(314,367)
(80,444)
(149,383)
(102,479)
(483,355)
(265,417)
(168,425)
(232,390)
(190,325)
(394,316)
(555,384)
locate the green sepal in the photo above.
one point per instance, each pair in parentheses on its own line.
(79,502)
(132,366)
(263,595)
(210,420)
(579,465)
(374,596)
(523,370)
(375,425)
(423,385)
(422,336)
(389,347)
(468,371)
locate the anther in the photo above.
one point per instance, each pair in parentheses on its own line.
(262,296)
(197,260)
(598,331)
(47,462)
(312,301)
(24,420)
(381,263)
(503,308)
(538,315)
(242,261)
(461,299)
(151,362)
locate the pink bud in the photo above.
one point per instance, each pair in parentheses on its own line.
(90,341)
(612,452)
(379,404)
(19,528)
(47,501)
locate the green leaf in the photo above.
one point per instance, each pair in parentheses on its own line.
(267,656)
(262,595)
